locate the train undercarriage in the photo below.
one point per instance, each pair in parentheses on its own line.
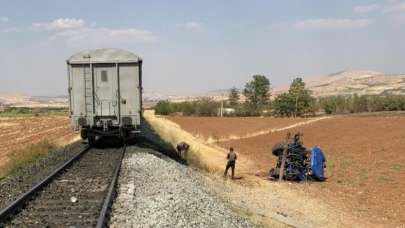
(91,134)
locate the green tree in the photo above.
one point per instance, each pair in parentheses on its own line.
(283,105)
(301,96)
(206,107)
(188,108)
(297,102)
(296,86)
(257,93)
(163,108)
(233,97)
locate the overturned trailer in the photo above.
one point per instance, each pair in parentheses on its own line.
(105,93)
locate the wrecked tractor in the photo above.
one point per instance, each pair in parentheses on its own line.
(299,163)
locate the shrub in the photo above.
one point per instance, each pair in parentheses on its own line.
(163,108)
(364,103)
(203,107)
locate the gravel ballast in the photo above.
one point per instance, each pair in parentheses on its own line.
(155,191)
(75,197)
(12,186)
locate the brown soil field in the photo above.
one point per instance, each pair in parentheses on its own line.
(17,133)
(217,128)
(365,159)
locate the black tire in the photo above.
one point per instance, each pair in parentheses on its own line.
(83,134)
(278,149)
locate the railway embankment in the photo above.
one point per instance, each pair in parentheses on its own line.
(266,202)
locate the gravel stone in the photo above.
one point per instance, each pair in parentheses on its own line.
(159,192)
(11,187)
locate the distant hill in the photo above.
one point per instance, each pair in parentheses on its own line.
(19,100)
(345,83)
(355,82)
(339,83)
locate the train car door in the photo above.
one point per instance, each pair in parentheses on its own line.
(106,90)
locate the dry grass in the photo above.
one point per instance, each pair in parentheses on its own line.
(172,133)
(210,158)
(23,157)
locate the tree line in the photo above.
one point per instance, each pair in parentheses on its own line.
(298,101)
(203,107)
(365,103)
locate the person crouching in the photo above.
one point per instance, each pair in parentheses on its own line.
(232,156)
(182,149)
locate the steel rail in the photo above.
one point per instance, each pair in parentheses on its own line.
(21,200)
(102,219)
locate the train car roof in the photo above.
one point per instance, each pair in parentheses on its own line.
(105,55)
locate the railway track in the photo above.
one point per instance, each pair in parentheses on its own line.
(77,194)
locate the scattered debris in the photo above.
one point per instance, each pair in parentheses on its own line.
(73,199)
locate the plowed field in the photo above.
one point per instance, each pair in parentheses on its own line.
(365,159)
(222,129)
(17,133)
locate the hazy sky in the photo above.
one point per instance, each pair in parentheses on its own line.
(190,47)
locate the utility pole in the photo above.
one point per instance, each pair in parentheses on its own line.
(221,112)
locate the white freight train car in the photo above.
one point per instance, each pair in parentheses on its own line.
(105,93)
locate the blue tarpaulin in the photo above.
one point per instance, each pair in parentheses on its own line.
(317,162)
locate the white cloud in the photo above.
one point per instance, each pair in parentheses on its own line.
(76,32)
(366,8)
(397,7)
(191,25)
(332,23)
(9,30)
(4,19)
(102,36)
(61,24)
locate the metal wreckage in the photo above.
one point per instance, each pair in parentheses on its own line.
(299,163)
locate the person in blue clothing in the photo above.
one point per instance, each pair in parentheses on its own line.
(318,161)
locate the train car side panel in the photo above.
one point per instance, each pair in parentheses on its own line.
(77,92)
(130,94)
